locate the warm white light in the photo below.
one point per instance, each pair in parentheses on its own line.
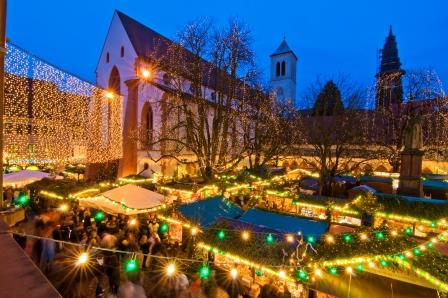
(290,238)
(371,264)
(194,231)
(146,74)
(318,272)
(133,222)
(109,94)
(282,274)
(363,236)
(349,270)
(170,269)
(234,273)
(63,207)
(245,235)
(394,233)
(82,259)
(330,239)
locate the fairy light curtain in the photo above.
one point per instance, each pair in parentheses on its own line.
(53,117)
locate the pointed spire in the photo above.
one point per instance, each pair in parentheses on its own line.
(390,60)
(283,48)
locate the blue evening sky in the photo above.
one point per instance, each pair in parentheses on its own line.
(329,37)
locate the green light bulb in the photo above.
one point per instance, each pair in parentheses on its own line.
(347,238)
(164,228)
(302,275)
(270,239)
(380,236)
(221,235)
(360,268)
(204,272)
(131,265)
(311,239)
(99,216)
(334,270)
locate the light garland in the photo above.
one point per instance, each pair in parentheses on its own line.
(130,180)
(240,260)
(66,121)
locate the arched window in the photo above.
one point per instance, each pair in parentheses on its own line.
(277,70)
(107,57)
(147,124)
(122,51)
(114,80)
(283,68)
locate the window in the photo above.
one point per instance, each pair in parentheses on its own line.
(122,51)
(277,71)
(107,57)
(213,96)
(283,68)
(147,124)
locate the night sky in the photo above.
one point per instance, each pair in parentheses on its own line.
(329,37)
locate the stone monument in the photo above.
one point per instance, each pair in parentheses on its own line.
(411,159)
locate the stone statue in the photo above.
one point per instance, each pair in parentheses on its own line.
(413,137)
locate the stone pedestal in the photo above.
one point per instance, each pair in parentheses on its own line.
(411,183)
(128,163)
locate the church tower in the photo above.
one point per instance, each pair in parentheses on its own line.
(389,86)
(283,73)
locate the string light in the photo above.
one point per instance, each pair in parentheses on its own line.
(131,265)
(290,238)
(194,231)
(204,272)
(64,110)
(170,269)
(245,235)
(234,273)
(82,259)
(349,270)
(63,207)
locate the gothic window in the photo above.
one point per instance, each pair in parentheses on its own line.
(277,69)
(283,68)
(114,80)
(107,57)
(122,51)
(147,124)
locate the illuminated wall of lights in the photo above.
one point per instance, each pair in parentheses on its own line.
(52,117)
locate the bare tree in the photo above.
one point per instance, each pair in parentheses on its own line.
(203,115)
(271,131)
(334,131)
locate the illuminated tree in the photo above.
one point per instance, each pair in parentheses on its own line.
(204,112)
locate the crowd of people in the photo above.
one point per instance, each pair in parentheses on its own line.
(112,241)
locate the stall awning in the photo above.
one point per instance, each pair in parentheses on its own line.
(24,177)
(206,212)
(127,199)
(284,223)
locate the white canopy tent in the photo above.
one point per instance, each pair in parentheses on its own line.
(127,199)
(22,178)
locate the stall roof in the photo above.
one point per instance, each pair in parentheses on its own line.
(23,177)
(130,195)
(284,223)
(206,212)
(411,199)
(435,184)
(375,179)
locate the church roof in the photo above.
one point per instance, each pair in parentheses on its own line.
(144,40)
(283,48)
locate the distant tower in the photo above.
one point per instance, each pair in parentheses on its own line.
(389,89)
(283,73)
